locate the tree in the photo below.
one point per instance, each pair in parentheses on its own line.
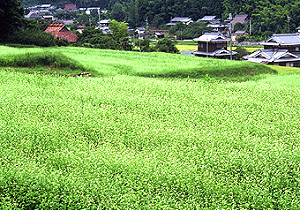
(11,14)
(120,34)
(118,12)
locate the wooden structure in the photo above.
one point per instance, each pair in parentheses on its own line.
(60,31)
(213,45)
(280,49)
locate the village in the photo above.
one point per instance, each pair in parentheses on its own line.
(280,49)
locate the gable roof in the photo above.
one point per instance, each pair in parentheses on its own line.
(59,30)
(70,7)
(207,18)
(212,37)
(239,19)
(181,19)
(216,53)
(33,14)
(283,39)
(269,56)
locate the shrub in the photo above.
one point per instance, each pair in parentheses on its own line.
(32,37)
(241,53)
(166,45)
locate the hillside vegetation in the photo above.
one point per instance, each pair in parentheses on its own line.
(130,142)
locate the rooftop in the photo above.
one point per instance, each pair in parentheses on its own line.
(207,18)
(239,19)
(212,37)
(269,55)
(181,19)
(283,39)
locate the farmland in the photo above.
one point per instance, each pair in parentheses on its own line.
(136,137)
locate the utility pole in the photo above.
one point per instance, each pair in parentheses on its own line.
(250,30)
(99,13)
(288,20)
(230,32)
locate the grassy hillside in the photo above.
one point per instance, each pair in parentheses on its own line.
(155,143)
(109,62)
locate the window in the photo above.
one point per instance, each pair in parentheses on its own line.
(282,64)
(297,48)
(296,64)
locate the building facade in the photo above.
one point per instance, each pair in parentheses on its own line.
(280,49)
(213,45)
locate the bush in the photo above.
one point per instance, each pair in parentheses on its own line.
(241,53)
(32,37)
(144,45)
(166,45)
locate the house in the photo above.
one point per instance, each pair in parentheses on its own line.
(207,18)
(184,20)
(212,22)
(33,15)
(70,7)
(280,49)
(104,24)
(237,34)
(213,45)
(60,31)
(158,33)
(239,19)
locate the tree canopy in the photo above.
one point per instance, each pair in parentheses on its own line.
(11,14)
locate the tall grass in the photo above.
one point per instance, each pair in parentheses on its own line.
(124,142)
(129,142)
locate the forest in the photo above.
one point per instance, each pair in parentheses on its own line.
(267,16)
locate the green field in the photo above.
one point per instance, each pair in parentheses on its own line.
(124,139)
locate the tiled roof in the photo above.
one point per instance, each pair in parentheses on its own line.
(283,39)
(70,7)
(217,53)
(211,37)
(239,19)
(207,18)
(270,55)
(181,19)
(60,31)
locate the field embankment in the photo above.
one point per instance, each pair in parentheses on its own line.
(147,143)
(43,62)
(109,62)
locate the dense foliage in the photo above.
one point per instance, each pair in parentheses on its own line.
(11,14)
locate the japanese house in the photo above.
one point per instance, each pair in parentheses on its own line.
(280,49)
(59,30)
(213,45)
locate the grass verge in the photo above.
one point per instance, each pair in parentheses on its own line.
(44,63)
